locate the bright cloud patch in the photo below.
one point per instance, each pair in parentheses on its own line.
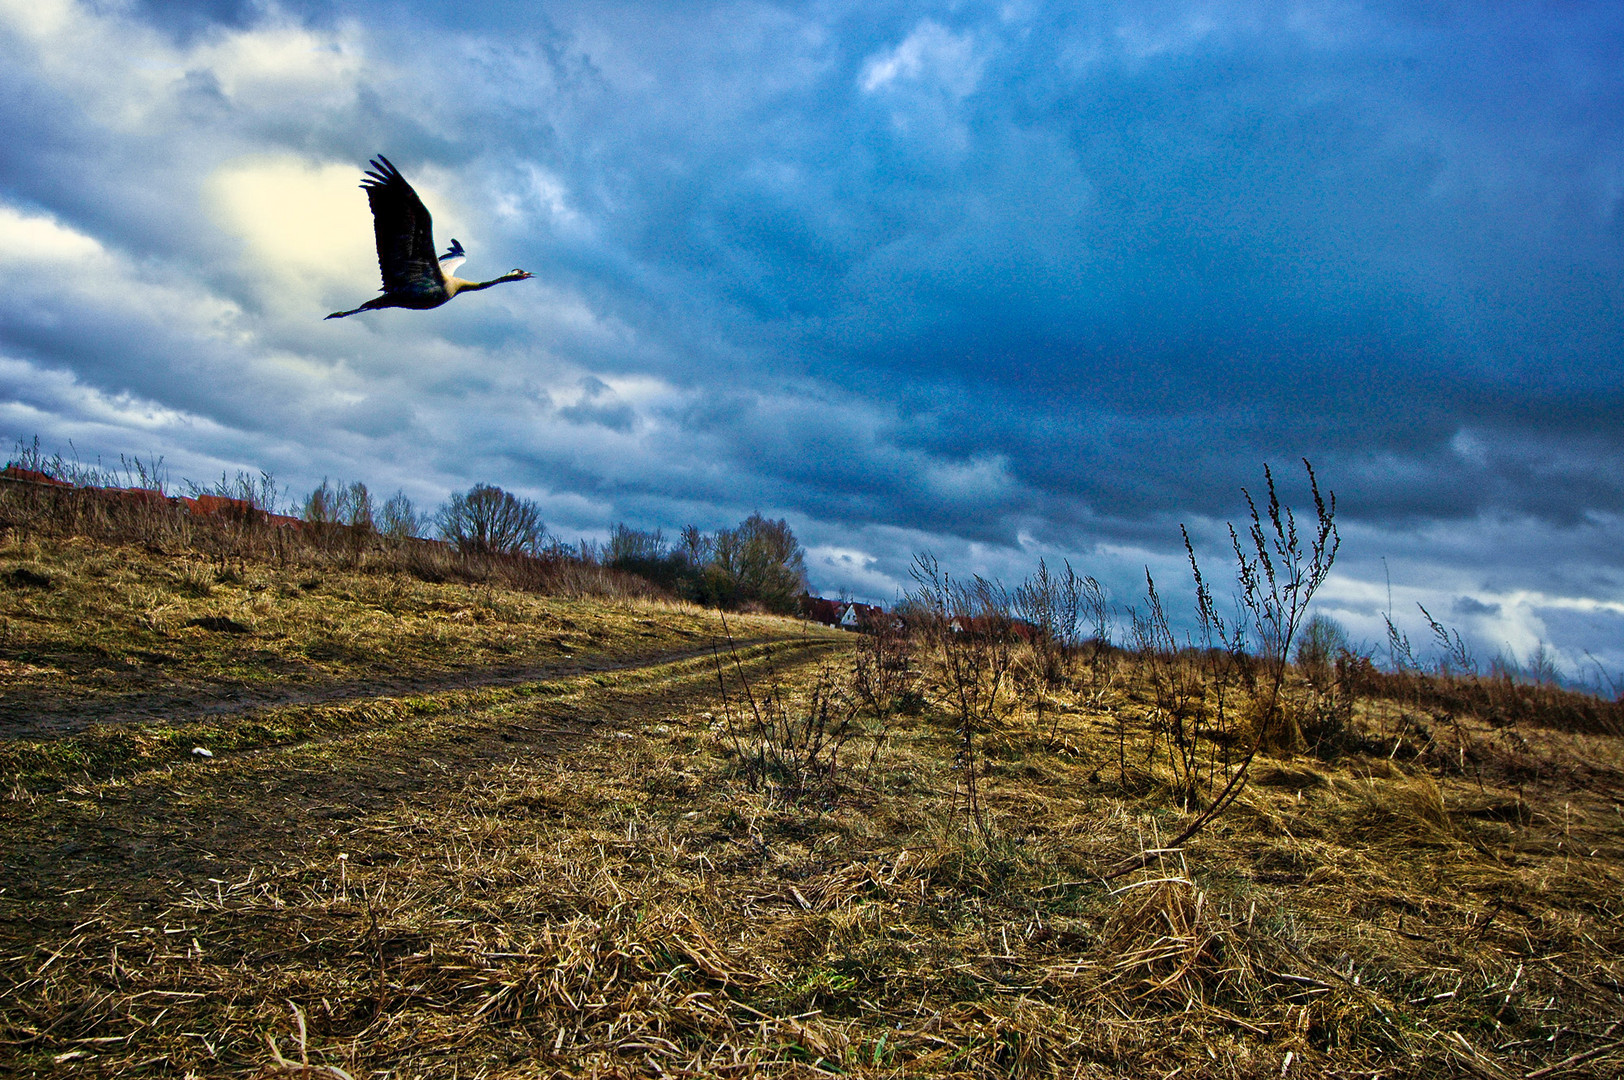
(301,225)
(968,481)
(30,240)
(260,65)
(931,55)
(856,572)
(125,75)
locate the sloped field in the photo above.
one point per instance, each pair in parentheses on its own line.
(575,874)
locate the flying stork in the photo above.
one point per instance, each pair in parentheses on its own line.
(412,276)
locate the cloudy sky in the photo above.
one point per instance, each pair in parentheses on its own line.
(1003,281)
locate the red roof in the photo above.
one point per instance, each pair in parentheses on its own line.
(820,610)
(219,504)
(140,496)
(33,476)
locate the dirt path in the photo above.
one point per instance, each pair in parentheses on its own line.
(60,717)
(132,843)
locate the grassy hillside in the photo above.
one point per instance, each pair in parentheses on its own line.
(94,632)
(614,862)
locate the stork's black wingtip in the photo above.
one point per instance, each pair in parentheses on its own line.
(382,171)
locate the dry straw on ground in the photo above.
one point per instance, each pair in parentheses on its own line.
(574,876)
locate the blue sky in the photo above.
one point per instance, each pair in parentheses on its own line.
(1004,281)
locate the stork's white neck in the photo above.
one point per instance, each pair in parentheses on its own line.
(454,285)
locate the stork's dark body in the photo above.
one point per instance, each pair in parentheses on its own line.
(404,231)
(418,296)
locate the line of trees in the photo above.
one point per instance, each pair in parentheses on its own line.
(484,520)
(757,564)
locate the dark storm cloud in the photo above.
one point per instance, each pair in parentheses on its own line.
(186,18)
(1006,280)
(1225,244)
(1465,606)
(598,406)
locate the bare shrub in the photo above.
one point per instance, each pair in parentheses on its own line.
(259,491)
(883,678)
(970,626)
(1224,662)
(1050,605)
(1277,576)
(148,475)
(787,744)
(486,520)
(1177,690)
(1099,661)
(69,470)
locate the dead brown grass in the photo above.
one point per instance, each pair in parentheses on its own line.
(91,632)
(577,879)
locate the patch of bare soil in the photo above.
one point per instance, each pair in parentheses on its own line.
(44,717)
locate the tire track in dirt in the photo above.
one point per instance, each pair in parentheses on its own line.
(60,719)
(130,845)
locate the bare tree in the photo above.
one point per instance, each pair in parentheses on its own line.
(339,504)
(1322,639)
(486,520)
(760,562)
(399,519)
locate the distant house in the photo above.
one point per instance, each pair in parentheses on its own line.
(994,626)
(860,616)
(137,496)
(818,610)
(206,505)
(846,614)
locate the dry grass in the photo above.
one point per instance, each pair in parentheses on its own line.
(1498,699)
(573,877)
(92,632)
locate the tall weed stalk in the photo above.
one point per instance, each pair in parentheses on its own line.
(972,628)
(1176,687)
(787,744)
(1277,573)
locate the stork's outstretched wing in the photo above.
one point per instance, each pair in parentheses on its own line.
(403,227)
(454,257)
